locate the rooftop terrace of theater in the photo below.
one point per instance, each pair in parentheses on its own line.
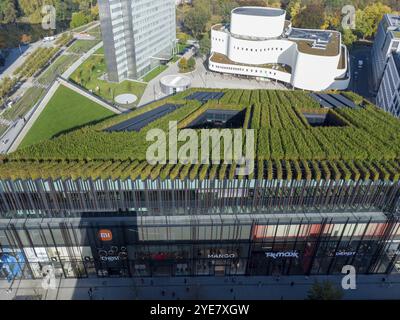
(314,42)
(359,142)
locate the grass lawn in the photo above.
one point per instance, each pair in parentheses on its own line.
(88,74)
(100,51)
(82,46)
(31,96)
(96,32)
(65,111)
(3,129)
(154,73)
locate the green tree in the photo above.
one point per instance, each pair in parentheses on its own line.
(312,16)
(196,19)
(294,8)
(205,44)
(191,63)
(183,64)
(79,19)
(182,37)
(8,13)
(324,291)
(223,8)
(348,37)
(367,20)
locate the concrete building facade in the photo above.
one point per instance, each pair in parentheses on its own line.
(137,35)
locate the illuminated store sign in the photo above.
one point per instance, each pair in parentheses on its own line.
(222,256)
(282,254)
(105,235)
(345,253)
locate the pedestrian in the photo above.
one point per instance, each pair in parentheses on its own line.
(292,284)
(163,293)
(173,294)
(231,290)
(90,293)
(185,281)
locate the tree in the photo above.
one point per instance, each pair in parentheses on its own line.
(367,20)
(8,13)
(223,8)
(205,44)
(294,8)
(348,37)
(196,19)
(79,19)
(311,17)
(182,37)
(25,38)
(324,291)
(191,63)
(183,65)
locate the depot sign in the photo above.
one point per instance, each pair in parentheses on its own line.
(345,253)
(105,235)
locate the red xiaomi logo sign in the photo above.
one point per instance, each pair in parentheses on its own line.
(105,235)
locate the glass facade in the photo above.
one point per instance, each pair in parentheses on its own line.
(134,228)
(111,247)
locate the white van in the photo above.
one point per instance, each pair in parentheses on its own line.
(48,39)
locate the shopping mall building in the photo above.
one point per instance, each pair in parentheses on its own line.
(101,218)
(260,43)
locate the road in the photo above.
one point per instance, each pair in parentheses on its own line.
(361,75)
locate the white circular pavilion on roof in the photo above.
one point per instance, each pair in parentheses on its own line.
(126,98)
(174,83)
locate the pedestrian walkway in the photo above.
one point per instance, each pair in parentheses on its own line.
(203,288)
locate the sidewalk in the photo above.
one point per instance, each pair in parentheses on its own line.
(203,288)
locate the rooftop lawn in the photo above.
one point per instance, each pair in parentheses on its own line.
(65,111)
(82,46)
(88,76)
(366,146)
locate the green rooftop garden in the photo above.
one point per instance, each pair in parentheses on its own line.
(365,146)
(89,76)
(67,110)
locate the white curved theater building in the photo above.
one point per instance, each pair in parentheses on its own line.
(261,43)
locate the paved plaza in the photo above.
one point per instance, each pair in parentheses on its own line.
(202,78)
(203,288)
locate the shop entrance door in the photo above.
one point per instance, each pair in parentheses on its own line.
(219,271)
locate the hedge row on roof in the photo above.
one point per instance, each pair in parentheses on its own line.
(286,170)
(282,136)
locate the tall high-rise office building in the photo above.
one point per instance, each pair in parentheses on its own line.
(138,35)
(387,42)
